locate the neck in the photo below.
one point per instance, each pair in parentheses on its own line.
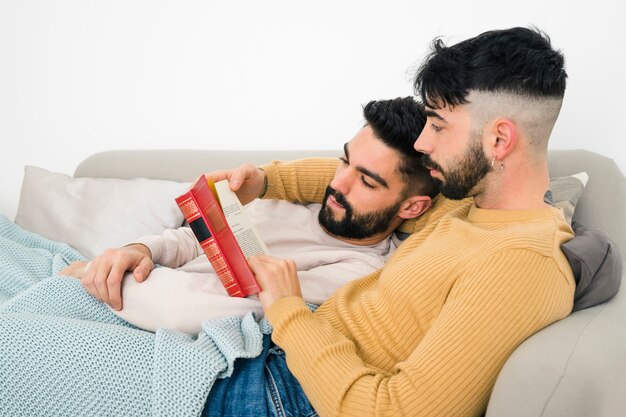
(519,186)
(368,241)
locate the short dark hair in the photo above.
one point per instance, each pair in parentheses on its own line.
(398,123)
(517,60)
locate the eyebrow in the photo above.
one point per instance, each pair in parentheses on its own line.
(366,171)
(432,113)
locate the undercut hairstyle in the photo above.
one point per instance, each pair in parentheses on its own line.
(519,61)
(511,73)
(398,123)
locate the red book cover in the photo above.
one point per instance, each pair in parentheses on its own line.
(204,214)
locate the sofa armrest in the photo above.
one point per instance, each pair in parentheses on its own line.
(575,368)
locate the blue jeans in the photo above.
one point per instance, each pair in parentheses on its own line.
(261,386)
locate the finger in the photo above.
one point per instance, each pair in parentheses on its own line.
(143,269)
(265,258)
(100,282)
(240,174)
(67,270)
(89,278)
(292,267)
(218,175)
(236,178)
(114,286)
(260,263)
(89,287)
(254,263)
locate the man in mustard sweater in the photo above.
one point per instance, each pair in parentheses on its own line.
(481,271)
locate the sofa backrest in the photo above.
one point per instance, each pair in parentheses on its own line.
(179,164)
(602,205)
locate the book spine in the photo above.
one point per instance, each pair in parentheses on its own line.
(202,230)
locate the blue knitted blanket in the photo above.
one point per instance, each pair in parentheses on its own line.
(63,353)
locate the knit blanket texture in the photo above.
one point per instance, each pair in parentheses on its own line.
(64,353)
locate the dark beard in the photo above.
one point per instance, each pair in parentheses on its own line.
(355,226)
(461,179)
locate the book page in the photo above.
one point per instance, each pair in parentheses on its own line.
(246,234)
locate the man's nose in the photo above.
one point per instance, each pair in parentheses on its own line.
(423,143)
(342,181)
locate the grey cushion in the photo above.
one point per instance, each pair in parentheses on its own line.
(596,264)
(566,192)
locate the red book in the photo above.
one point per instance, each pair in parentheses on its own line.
(202,210)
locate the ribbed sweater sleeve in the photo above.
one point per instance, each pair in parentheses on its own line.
(303,180)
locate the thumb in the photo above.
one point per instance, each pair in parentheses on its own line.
(239,175)
(235,180)
(142,270)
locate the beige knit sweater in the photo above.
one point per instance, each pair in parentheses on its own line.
(427,334)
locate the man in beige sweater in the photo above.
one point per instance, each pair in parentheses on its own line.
(328,251)
(483,270)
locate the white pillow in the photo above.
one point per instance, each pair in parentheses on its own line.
(92,214)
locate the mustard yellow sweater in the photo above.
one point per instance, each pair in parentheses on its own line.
(427,334)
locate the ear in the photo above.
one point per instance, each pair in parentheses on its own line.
(503,137)
(414,206)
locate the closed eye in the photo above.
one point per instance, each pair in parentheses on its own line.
(365,183)
(343,159)
(436,128)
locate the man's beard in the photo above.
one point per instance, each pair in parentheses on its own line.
(459,181)
(355,226)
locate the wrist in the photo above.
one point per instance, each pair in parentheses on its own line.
(265,184)
(144,249)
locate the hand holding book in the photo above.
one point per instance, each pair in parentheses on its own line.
(247,181)
(278,278)
(225,233)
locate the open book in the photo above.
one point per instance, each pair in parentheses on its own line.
(225,232)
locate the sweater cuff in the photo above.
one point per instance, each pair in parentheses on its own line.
(156,246)
(282,310)
(271,178)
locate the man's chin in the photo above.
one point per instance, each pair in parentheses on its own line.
(337,217)
(453,194)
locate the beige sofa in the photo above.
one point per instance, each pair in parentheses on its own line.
(574,368)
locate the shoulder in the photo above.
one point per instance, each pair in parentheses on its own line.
(441,207)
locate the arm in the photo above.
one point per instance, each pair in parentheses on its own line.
(102,277)
(453,367)
(303,180)
(173,248)
(178,300)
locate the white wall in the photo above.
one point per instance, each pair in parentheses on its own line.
(77,77)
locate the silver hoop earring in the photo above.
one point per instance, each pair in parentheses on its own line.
(493,162)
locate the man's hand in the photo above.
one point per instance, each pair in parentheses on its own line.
(247,181)
(75,269)
(278,278)
(102,277)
